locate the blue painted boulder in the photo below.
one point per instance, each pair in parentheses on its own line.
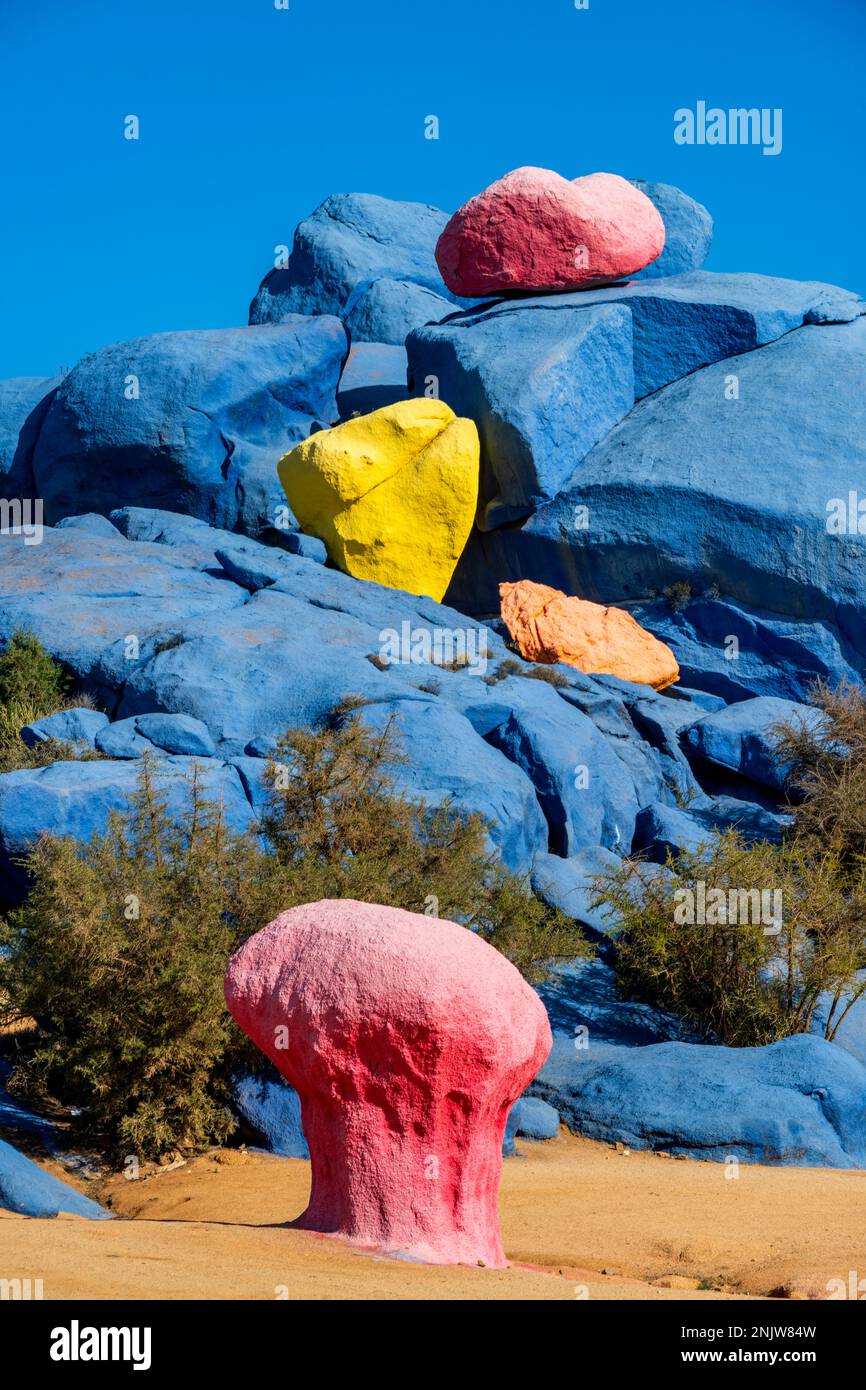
(688,230)
(759,535)
(176,733)
(77,798)
(191,421)
(743,737)
(350,239)
(569,885)
(529,1118)
(23,403)
(585,791)
(96,603)
(734,651)
(543,386)
(27,1189)
(800,1101)
(91,523)
(77,726)
(374,376)
(273,1110)
(471,775)
(386,311)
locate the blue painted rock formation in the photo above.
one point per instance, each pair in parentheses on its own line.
(352,239)
(188,421)
(799,1101)
(386,311)
(688,230)
(27,1189)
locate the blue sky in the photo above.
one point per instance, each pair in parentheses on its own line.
(251,115)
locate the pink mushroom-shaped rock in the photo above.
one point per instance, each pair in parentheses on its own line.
(407,1039)
(536,231)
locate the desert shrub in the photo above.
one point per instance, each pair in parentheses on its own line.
(32,685)
(337,824)
(696,937)
(119,952)
(826,758)
(535,671)
(678,596)
(29,675)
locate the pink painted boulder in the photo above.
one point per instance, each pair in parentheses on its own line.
(535,231)
(407,1039)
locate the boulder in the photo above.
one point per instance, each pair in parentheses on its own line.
(662,829)
(530,1118)
(374,376)
(734,651)
(543,387)
(391,494)
(23,403)
(684,322)
(99,605)
(122,740)
(588,797)
(77,798)
(550,626)
(533,230)
(176,733)
(743,737)
(191,421)
(407,1040)
(473,777)
(92,523)
(352,239)
(759,536)
(78,726)
(688,230)
(273,1110)
(28,1190)
(385,311)
(568,885)
(800,1101)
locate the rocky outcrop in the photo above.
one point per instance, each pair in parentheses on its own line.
(190,422)
(407,1039)
(352,239)
(29,1190)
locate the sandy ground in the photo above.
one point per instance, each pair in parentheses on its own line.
(578,1219)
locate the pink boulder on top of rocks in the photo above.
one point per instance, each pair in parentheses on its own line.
(549,626)
(408,1039)
(535,231)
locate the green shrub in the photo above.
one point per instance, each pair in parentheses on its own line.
(122,945)
(750,972)
(678,596)
(29,676)
(32,685)
(119,953)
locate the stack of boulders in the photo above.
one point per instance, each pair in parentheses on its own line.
(613,466)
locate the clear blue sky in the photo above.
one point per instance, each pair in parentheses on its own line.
(251,115)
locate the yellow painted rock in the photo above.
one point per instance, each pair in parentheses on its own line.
(391,494)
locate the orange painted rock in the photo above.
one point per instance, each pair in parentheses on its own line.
(549,626)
